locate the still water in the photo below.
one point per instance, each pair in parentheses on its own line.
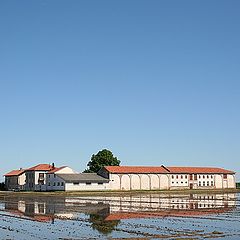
(138,216)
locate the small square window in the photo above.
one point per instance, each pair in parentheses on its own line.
(88,183)
(62,184)
(100,183)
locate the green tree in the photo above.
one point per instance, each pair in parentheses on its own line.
(102,158)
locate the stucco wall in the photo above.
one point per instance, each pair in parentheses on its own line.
(138,181)
(218,180)
(85,187)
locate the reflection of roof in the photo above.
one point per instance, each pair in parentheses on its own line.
(83,177)
(41,167)
(15,173)
(198,170)
(56,169)
(42,218)
(163,169)
(172,213)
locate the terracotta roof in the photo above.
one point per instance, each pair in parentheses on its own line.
(15,173)
(135,169)
(56,169)
(163,169)
(41,167)
(198,170)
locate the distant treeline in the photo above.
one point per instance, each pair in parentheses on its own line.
(2,186)
(238,184)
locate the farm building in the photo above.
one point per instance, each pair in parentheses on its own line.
(45,177)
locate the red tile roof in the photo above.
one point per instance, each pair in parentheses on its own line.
(171,213)
(163,169)
(198,170)
(15,173)
(56,169)
(41,167)
(135,169)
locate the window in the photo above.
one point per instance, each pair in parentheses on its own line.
(48,175)
(203,176)
(176,176)
(181,176)
(211,183)
(172,176)
(76,183)
(182,182)
(49,184)
(41,175)
(62,184)
(58,183)
(203,183)
(199,184)
(172,182)
(225,176)
(186,176)
(54,176)
(54,184)
(195,177)
(88,183)
(100,183)
(191,177)
(207,183)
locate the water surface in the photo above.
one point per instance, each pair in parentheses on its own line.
(138,216)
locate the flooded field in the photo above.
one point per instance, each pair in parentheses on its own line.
(136,216)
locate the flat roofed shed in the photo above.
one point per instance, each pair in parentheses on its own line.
(83,178)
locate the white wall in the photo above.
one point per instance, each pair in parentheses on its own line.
(54,183)
(86,187)
(138,181)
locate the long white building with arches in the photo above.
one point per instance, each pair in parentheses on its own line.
(167,178)
(45,177)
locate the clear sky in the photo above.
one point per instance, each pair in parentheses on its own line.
(156,82)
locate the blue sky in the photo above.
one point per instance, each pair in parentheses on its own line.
(156,82)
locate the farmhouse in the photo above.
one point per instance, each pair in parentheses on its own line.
(15,179)
(46,177)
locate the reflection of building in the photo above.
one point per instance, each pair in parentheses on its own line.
(116,208)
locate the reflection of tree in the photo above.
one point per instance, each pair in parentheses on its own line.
(102,226)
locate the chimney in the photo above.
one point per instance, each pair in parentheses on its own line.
(53,165)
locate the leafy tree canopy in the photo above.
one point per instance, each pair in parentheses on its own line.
(102,158)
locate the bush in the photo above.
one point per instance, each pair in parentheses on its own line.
(238,185)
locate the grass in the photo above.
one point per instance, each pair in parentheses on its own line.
(117,192)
